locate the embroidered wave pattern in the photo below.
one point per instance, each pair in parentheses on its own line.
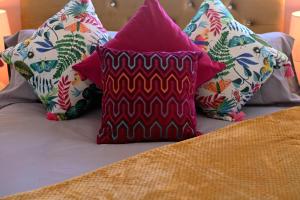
(147,96)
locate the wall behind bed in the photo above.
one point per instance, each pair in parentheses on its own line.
(13,8)
(259,15)
(291,6)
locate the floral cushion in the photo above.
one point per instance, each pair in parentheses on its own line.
(148,96)
(46,59)
(250,60)
(151,29)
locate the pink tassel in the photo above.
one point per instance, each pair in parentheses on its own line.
(238,116)
(52,117)
(289,73)
(198,133)
(85,1)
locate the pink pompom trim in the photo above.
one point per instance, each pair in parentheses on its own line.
(289,73)
(52,117)
(238,116)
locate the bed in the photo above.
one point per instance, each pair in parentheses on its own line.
(50,152)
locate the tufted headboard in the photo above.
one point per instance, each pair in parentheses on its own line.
(260,15)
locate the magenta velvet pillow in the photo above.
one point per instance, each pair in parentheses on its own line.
(149,30)
(90,68)
(148,96)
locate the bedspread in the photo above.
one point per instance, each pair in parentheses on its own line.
(254,159)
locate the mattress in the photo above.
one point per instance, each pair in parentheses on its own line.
(35,152)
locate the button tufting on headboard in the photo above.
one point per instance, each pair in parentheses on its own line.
(261,15)
(113,3)
(249,23)
(191,4)
(231,6)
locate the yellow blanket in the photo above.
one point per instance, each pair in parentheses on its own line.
(256,159)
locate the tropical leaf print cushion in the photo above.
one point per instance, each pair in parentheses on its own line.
(249,60)
(46,59)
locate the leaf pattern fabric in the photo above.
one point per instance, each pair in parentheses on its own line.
(46,59)
(249,60)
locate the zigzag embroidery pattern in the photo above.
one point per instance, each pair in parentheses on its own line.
(132,61)
(140,79)
(147,97)
(155,130)
(111,108)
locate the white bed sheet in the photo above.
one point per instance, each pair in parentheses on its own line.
(35,152)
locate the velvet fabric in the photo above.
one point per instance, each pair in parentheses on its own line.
(149,30)
(90,69)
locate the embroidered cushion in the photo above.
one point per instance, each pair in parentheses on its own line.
(151,29)
(250,60)
(46,59)
(148,96)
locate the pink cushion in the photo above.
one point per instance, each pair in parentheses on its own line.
(148,96)
(90,69)
(149,30)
